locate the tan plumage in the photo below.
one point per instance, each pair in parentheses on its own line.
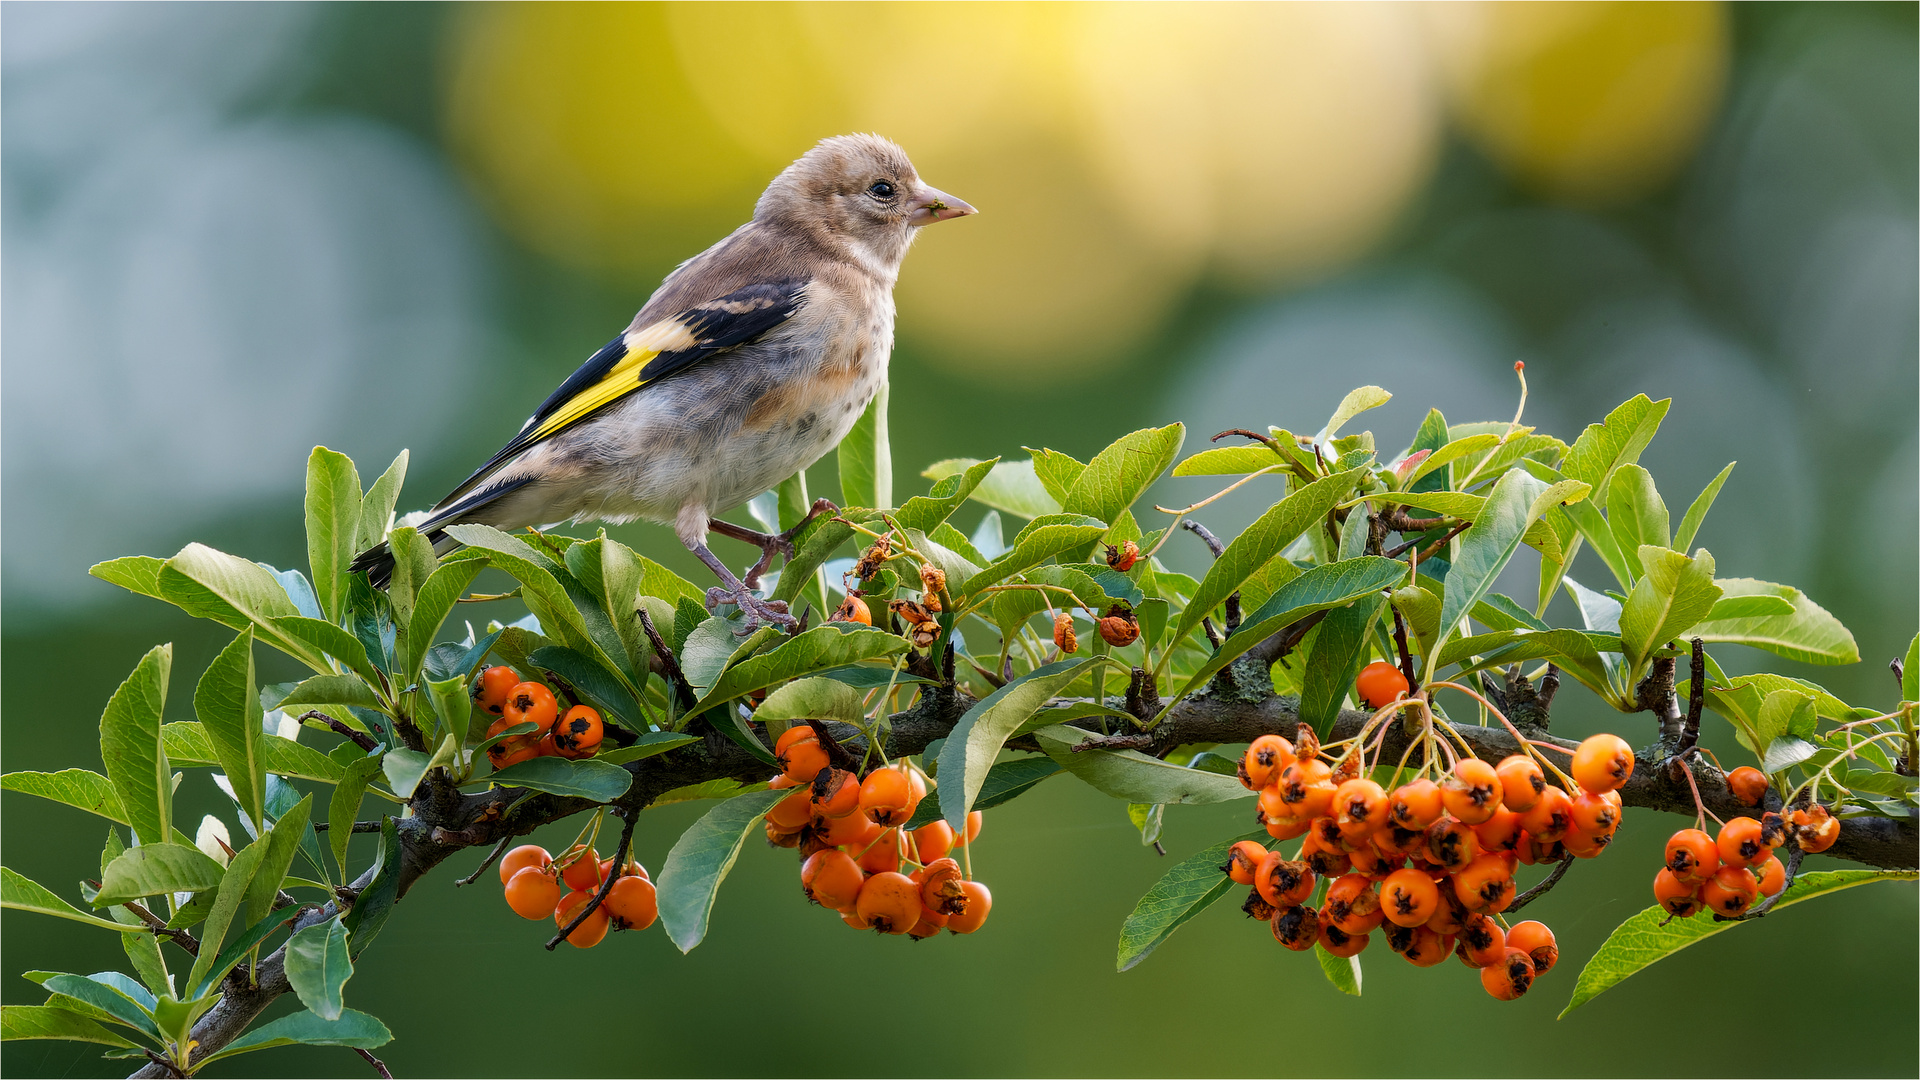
(750,362)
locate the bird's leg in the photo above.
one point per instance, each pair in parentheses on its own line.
(736,592)
(769,544)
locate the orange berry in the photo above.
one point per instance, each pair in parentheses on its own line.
(882,853)
(1448,918)
(490,690)
(1521,782)
(1339,943)
(1681,898)
(632,903)
(933,840)
(1815,828)
(1602,763)
(533,894)
(1739,843)
(512,751)
(1585,845)
(1511,977)
(578,734)
(1296,927)
(1482,942)
(1266,756)
(1772,875)
(1307,788)
(1730,891)
(1282,882)
(803,760)
(588,933)
(1485,885)
(974,821)
(583,871)
(632,869)
(884,796)
(1534,939)
(1243,859)
(1420,946)
(942,889)
(853,610)
(1063,633)
(530,703)
(1748,784)
(1119,628)
(1550,818)
(1288,828)
(795,734)
(1595,814)
(831,878)
(1379,683)
(792,812)
(520,858)
(1351,896)
(837,796)
(1451,844)
(1416,805)
(1325,860)
(979,902)
(889,902)
(1360,807)
(1409,897)
(1473,792)
(1692,856)
(1501,832)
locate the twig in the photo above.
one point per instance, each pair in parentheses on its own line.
(606,886)
(358,826)
(163,1063)
(1696,695)
(1397,520)
(671,667)
(155,923)
(1206,537)
(1430,550)
(493,856)
(1545,886)
(378,1065)
(1400,640)
(360,738)
(837,754)
(1760,910)
(1286,639)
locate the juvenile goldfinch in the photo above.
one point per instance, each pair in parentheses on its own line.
(751,361)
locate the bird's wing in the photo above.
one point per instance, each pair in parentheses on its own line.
(646,355)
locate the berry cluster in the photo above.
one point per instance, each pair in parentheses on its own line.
(857,856)
(534,883)
(500,691)
(1729,872)
(1433,862)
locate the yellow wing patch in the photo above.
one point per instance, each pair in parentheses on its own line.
(667,335)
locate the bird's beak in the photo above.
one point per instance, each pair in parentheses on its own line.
(935,205)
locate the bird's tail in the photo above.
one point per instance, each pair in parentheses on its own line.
(377,561)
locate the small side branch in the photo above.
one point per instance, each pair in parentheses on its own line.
(1543,888)
(493,856)
(359,738)
(668,665)
(1759,911)
(1696,695)
(378,1065)
(606,885)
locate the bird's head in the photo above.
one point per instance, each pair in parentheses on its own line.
(863,191)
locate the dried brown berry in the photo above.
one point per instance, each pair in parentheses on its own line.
(1063,633)
(1119,627)
(1123,556)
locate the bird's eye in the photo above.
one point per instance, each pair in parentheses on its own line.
(881,190)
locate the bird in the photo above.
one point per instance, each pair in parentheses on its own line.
(749,362)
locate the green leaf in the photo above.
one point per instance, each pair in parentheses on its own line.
(324,639)
(813,699)
(130,744)
(1342,972)
(343,809)
(1231,460)
(1445,455)
(318,967)
(1516,502)
(584,779)
(277,856)
(376,508)
(1193,885)
(976,740)
(135,573)
(1581,653)
(1056,471)
(78,788)
(1750,607)
(1007,780)
(1327,586)
(1676,593)
(616,577)
(405,769)
(111,999)
(604,688)
(24,894)
(413,562)
(1012,486)
(1149,818)
(1810,634)
(1042,539)
(235,593)
(227,701)
(1355,403)
(539,577)
(1697,513)
(1121,473)
(1635,513)
(1786,752)
(431,604)
(927,512)
(1910,672)
(187,743)
(1613,442)
(1340,648)
(1643,940)
(1013,607)
(866,459)
(829,645)
(1260,542)
(1133,776)
(50,1022)
(154,869)
(349,690)
(353,1028)
(700,861)
(375,902)
(235,879)
(656,742)
(333,525)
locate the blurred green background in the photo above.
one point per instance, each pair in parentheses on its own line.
(234,231)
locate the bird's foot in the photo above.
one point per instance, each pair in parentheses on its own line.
(770,544)
(758,612)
